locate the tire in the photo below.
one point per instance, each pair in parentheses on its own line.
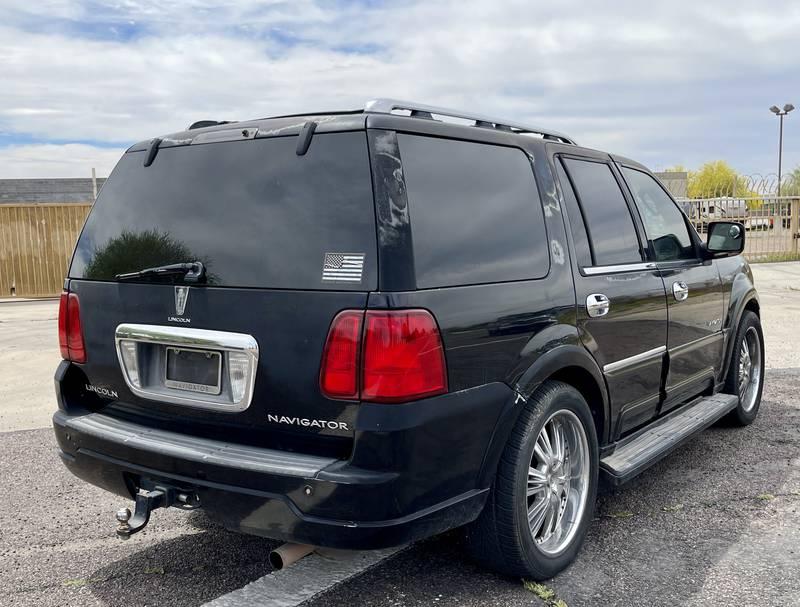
(746,382)
(502,538)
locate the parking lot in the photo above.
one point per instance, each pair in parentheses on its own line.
(716,523)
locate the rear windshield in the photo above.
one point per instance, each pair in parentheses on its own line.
(254,212)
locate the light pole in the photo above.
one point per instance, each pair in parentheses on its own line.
(780,113)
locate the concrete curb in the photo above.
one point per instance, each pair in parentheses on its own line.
(5,300)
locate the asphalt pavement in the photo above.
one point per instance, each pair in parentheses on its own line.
(716,523)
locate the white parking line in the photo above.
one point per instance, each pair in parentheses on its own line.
(305,579)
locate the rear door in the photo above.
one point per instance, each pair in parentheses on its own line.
(288,241)
(694,291)
(622,310)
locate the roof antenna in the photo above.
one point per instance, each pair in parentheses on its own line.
(304,139)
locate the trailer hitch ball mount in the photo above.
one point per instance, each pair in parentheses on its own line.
(148,499)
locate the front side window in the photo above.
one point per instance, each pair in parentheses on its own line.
(663,221)
(612,235)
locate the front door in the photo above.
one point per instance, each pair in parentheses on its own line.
(622,309)
(694,292)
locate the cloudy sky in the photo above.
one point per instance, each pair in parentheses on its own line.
(683,83)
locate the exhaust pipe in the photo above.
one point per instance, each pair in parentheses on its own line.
(289,554)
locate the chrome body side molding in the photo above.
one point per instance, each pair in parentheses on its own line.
(634,360)
(618,269)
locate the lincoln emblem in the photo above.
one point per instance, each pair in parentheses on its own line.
(181,296)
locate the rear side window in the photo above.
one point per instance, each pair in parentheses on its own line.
(580,237)
(254,212)
(475,212)
(608,221)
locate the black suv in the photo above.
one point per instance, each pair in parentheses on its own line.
(359,329)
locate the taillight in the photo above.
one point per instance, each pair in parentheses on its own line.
(70,332)
(401,358)
(339,374)
(62,325)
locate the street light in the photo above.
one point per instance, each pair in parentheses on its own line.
(780,113)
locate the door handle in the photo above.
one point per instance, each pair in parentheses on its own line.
(597,305)
(680,290)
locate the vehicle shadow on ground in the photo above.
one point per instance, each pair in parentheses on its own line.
(185,571)
(653,541)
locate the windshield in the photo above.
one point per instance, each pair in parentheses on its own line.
(254,213)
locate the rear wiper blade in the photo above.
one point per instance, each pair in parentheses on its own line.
(193,271)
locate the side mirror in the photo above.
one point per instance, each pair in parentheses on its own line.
(725,238)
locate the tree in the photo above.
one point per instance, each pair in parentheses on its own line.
(791,183)
(718,178)
(132,251)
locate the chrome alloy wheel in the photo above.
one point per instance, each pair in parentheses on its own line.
(558,482)
(749,369)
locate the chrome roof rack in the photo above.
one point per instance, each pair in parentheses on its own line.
(418,110)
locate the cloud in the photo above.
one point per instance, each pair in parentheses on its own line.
(682,82)
(56,160)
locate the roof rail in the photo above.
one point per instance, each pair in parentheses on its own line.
(387,106)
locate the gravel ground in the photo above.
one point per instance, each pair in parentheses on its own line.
(714,524)
(717,523)
(58,547)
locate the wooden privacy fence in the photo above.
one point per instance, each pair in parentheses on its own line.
(36,242)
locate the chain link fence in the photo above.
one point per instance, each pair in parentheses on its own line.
(769,213)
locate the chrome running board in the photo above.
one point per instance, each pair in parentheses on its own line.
(636,453)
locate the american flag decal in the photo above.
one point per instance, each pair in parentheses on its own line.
(343,267)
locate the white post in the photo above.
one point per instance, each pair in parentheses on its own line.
(94,185)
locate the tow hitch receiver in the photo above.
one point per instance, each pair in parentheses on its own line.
(147,500)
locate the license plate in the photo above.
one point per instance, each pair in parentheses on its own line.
(193,370)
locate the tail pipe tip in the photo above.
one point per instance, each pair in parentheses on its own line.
(288,554)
